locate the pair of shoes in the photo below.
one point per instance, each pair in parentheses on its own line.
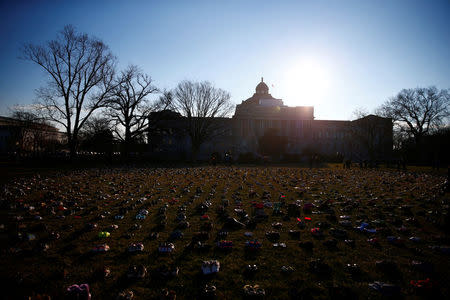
(287,269)
(154,235)
(136,227)
(143,212)
(422,283)
(91,226)
(210,267)
(316,232)
(104,234)
(79,291)
(136,272)
(112,227)
(209,290)
(386,289)
(249,269)
(374,241)
(222,233)
(279,245)
(125,295)
(353,269)
(253,245)
(395,240)
(224,244)
(136,247)
(277,225)
(254,291)
(168,294)
(106,272)
(141,217)
(166,247)
(100,248)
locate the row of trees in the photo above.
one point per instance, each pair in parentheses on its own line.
(420,122)
(92,101)
(89,100)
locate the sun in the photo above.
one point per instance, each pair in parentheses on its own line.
(307,82)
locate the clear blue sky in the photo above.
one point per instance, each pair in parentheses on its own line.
(336,55)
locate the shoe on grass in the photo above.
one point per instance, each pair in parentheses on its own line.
(125,295)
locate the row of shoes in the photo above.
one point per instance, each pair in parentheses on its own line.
(254,291)
(225,244)
(166,247)
(210,267)
(136,247)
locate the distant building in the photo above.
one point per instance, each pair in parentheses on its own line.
(27,138)
(368,138)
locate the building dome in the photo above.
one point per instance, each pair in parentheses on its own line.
(262,88)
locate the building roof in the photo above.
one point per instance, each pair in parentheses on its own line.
(261,92)
(262,88)
(263,106)
(11,122)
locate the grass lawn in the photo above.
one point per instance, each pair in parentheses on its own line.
(51,222)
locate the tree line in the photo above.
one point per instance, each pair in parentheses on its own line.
(421,124)
(95,104)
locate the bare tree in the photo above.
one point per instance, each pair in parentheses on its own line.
(359,112)
(201,103)
(418,111)
(81,72)
(129,108)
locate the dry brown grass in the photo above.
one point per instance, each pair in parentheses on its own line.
(413,200)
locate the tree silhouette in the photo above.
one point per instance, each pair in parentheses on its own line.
(418,111)
(129,107)
(80,71)
(201,103)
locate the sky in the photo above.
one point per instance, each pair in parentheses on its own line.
(338,56)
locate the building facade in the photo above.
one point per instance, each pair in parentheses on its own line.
(296,130)
(26,138)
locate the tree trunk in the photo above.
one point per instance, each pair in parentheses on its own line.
(73,147)
(126,143)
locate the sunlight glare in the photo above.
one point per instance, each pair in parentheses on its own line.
(307,82)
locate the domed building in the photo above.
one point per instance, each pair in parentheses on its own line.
(292,130)
(254,116)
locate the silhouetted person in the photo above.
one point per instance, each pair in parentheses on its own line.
(347,163)
(228,158)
